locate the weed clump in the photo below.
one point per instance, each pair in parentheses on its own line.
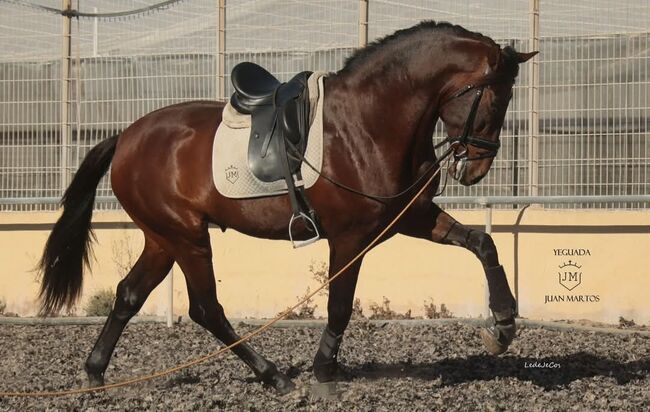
(101,303)
(384,311)
(431,311)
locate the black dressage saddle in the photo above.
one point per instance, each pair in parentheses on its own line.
(279,131)
(277,109)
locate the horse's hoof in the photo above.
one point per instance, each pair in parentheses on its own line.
(342,375)
(325,391)
(281,383)
(95,381)
(331,372)
(498,336)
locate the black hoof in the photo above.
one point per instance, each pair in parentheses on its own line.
(95,380)
(497,336)
(281,383)
(331,372)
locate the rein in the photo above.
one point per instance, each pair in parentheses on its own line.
(463,140)
(378,198)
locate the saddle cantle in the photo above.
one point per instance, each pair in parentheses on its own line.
(254,86)
(279,131)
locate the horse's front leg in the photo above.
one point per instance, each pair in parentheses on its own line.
(439,227)
(339,308)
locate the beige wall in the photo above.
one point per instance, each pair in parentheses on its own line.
(259,278)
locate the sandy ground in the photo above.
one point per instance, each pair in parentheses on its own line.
(397,368)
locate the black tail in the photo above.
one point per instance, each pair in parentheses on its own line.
(68,246)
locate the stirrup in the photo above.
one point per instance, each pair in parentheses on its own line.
(308,221)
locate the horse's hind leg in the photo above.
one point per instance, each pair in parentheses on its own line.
(195,259)
(442,228)
(150,269)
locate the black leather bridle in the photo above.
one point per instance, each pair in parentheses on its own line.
(465,139)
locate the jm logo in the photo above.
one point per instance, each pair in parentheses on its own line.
(232,174)
(570,277)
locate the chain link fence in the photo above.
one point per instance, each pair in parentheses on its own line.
(577,127)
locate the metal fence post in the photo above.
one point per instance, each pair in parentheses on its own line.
(65,93)
(533,113)
(363,23)
(169,285)
(221,64)
(488,230)
(95,33)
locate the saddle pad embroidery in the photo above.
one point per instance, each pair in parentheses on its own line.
(230,171)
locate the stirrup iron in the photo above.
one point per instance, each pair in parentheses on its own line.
(308,222)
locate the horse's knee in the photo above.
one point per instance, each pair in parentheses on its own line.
(483,247)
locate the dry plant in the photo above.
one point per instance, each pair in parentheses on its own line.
(305,311)
(622,322)
(384,311)
(357,310)
(123,255)
(320,273)
(432,312)
(101,303)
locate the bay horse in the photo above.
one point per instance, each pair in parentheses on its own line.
(380,111)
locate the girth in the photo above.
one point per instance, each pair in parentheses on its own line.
(279,118)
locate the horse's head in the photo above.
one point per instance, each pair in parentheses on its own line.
(474,113)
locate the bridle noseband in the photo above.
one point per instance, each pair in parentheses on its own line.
(465,139)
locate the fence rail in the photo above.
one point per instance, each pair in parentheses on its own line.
(577,124)
(540,200)
(482,201)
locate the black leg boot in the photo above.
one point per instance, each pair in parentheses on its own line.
(501,328)
(326,368)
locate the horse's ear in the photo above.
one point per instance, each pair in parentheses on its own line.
(524,57)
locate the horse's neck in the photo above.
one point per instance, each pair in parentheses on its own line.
(383,110)
(384,122)
(392,107)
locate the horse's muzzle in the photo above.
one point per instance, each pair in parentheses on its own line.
(457,169)
(461,167)
(461,171)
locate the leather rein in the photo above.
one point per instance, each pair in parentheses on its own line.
(463,140)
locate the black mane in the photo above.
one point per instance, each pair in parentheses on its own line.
(360,55)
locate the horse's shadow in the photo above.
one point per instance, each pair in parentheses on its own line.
(484,368)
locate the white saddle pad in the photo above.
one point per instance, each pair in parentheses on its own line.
(230,171)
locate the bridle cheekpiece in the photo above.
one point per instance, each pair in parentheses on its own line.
(465,139)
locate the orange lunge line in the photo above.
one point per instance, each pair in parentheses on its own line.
(243,339)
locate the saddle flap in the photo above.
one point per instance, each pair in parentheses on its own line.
(287,117)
